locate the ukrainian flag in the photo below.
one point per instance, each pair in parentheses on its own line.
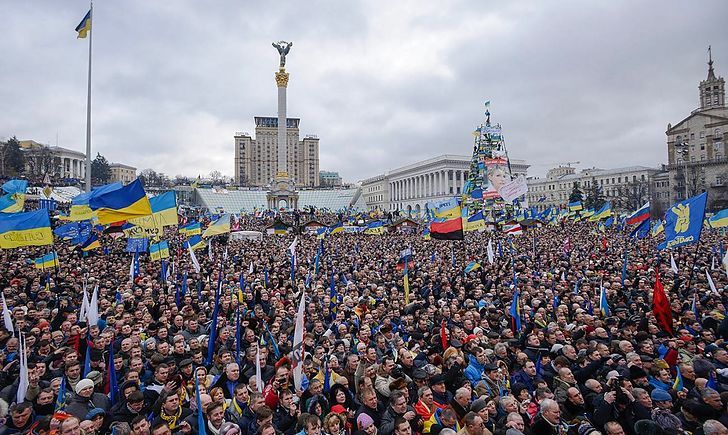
(337,228)
(657,228)
(321,232)
(14,200)
(47,261)
(121,204)
(220,226)
(603,213)
(195,242)
(376,227)
(719,220)
(158,251)
(426,233)
(164,212)
(473,265)
(475,222)
(191,229)
(80,210)
(575,206)
(32,228)
(84,26)
(91,243)
(448,209)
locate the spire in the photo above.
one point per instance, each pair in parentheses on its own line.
(711,73)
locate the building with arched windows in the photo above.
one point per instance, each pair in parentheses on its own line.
(696,147)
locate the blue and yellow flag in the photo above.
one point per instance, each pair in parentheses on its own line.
(473,265)
(474,222)
(164,212)
(195,242)
(14,199)
(80,210)
(719,220)
(191,229)
(376,228)
(121,204)
(84,26)
(31,228)
(47,261)
(220,226)
(448,209)
(684,222)
(575,206)
(678,384)
(657,228)
(91,243)
(603,212)
(336,228)
(158,251)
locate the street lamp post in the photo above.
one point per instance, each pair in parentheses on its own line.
(682,148)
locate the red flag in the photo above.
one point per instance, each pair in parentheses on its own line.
(661,307)
(443,335)
(604,243)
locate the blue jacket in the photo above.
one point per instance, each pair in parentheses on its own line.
(474,371)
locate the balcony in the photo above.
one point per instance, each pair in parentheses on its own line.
(711,162)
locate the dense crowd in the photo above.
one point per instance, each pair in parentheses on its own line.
(451,359)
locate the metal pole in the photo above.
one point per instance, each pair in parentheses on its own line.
(88,108)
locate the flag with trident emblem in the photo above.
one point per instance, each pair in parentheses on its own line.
(684,222)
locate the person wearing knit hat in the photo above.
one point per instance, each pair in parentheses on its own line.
(84,384)
(364,421)
(85,399)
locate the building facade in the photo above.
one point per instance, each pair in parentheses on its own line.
(696,148)
(623,187)
(330,179)
(256,162)
(59,162)
(121,172)
(410,188)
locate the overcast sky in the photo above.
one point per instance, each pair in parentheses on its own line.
(382,83)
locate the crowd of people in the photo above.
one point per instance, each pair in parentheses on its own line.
(448,356)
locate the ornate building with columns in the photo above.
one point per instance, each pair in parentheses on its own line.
(410,187)
(57,161)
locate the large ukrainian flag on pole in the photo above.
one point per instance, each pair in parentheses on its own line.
(84,26)
(32,228)
(121,204)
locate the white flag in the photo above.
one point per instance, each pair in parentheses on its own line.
(7,318)
(225,254)
(195,263)
(712,265)
(251,270)
(491,254)
(711,283)
(92,315)
(131,270)
(725,262)
(84,303)
(258,375)
(298,350)
(23,378)
(673,266)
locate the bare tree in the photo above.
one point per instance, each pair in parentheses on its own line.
(632,195)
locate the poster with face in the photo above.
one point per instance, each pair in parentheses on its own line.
(496,175)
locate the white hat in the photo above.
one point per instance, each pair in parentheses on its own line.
(611,375)
(83,384)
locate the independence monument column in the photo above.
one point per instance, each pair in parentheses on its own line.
(282,193)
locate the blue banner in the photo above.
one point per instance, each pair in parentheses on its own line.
(137,245)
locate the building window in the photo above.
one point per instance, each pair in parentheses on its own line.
(702,134)
(692,136)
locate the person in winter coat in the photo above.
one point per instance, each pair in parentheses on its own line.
(84,400)
(398,407)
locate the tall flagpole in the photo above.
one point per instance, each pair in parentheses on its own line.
(88,107)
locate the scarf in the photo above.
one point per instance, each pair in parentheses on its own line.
(171,420)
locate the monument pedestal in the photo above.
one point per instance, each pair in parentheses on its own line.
(282,193)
